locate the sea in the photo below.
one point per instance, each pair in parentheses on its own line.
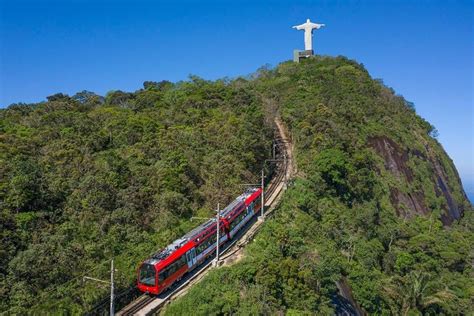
(470,196)
(469,189)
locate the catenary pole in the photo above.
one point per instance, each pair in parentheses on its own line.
(112,312)
(112,296)
(218,232)
(286,169)
(262,196)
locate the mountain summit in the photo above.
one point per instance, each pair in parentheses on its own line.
(376,221)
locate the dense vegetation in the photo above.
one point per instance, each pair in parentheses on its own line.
(377,205)
(86,178)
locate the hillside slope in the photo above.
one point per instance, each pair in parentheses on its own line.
(377,206)
(86,178)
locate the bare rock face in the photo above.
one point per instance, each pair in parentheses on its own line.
(407,204)
(345,302)
(406,200)
(395,159)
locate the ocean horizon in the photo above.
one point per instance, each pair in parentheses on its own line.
(470,197)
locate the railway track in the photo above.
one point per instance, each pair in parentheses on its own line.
(148,305)
(141,302)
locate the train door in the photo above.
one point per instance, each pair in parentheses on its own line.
(191,257)
(250,208)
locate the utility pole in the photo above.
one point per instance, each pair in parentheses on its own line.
(218,219)
(112,312)
(262,196)
(218,233)
(286,169)
(112,288)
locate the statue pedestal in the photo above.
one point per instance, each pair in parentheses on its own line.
(300,54)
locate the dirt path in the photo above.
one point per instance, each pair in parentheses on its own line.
(271,202)
(275,189)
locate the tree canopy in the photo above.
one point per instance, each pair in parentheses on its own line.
(377,204)
(87,178)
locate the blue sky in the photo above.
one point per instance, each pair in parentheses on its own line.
(423,49)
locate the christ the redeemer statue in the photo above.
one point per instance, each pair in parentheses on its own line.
(308,28)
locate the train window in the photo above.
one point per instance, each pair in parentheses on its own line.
(163,275)
(147,274)
(208,242)
(200,249)
(172,269)
(180,263)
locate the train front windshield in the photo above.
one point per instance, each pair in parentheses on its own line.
(147,274)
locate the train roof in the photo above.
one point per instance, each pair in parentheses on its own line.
(179,243)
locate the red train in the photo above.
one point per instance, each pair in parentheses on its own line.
(169,265)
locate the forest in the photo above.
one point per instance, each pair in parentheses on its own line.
(377,205)
(87,178)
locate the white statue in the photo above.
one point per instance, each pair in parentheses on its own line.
(308,28)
